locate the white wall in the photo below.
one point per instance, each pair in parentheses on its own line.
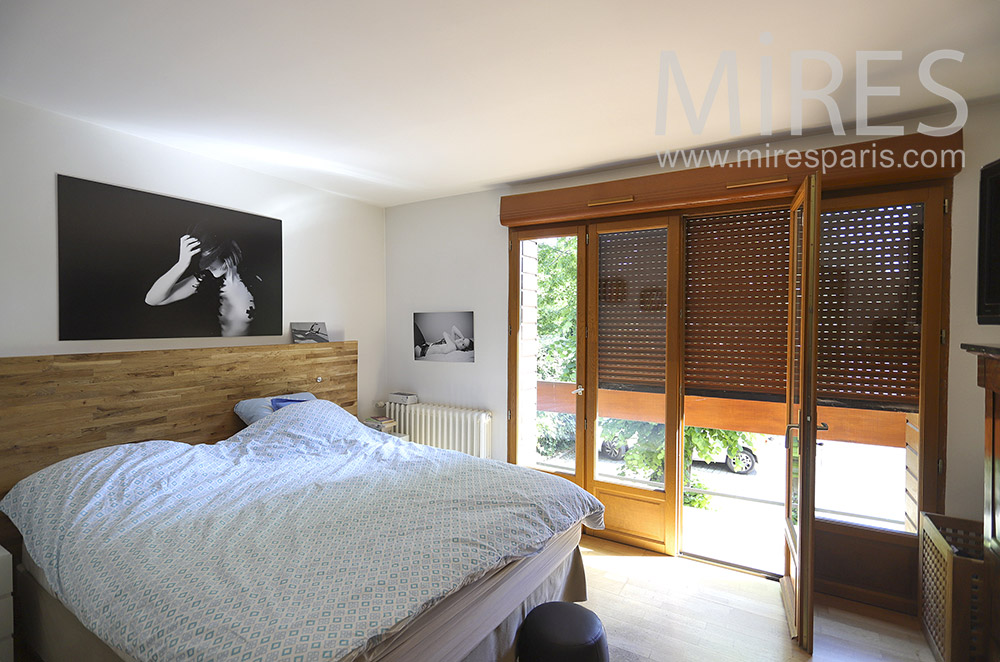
(966,399)
(333,247)
(424,239)
(450,255)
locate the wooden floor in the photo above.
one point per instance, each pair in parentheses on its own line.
(677,610)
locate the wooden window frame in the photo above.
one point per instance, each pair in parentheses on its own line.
(710,189)
(722,186)
(513,329)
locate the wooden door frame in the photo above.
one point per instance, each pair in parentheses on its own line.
(934,322)
(894,565)
(935,308)
(668,499)
(709,189)
(515,236)
(803,283)
(840,578)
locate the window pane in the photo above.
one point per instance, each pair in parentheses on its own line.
(631,357)
(546,426)
(861,484)
(870,292)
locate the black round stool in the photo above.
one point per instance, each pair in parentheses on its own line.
(562,632)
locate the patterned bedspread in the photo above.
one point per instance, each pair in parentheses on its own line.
(306,536)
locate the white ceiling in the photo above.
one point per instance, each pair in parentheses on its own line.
(392,101)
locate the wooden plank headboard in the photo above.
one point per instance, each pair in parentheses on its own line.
(63,405)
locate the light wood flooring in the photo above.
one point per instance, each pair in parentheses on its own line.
(678,610)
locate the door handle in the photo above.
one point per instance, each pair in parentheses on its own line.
(578,390)
(788,430)
(790,426)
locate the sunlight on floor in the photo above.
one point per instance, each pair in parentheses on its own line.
(856,483)
(673,609)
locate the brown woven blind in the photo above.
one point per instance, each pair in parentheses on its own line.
(869,306)
(737,305)
(870,285)
(632,310)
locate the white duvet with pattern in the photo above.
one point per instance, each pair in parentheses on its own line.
(304,537)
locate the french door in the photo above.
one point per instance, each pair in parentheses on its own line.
(595,362)
(866,227)
(800,433)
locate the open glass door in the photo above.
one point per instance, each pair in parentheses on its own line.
(800,433)
(547,405)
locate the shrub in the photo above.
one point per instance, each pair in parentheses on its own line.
(646,449)
(556,433)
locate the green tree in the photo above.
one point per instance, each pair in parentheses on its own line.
(557,310)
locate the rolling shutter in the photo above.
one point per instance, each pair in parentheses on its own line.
(870,288)
(632,310)
(736,295)
(869,306)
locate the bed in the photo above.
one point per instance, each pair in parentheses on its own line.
(466,610)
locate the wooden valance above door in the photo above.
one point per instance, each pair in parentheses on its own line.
(859,165)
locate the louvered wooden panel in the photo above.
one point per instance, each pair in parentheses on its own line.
(736,299)
(869,301)
(869,306)
(632,310)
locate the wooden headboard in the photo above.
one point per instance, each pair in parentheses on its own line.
(57,406)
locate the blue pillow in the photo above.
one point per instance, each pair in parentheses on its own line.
(278,403)
(251,411)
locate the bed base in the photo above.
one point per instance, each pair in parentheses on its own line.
(478,623)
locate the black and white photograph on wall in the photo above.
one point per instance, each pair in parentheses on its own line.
(303,332)
(444,337)
(134,264)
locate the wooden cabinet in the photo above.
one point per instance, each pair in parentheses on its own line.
(989,379)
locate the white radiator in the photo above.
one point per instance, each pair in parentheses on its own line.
(445,426)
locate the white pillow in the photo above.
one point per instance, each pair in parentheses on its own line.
(255,409)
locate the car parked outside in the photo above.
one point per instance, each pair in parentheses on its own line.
(743,463)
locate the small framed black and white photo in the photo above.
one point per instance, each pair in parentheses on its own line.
(444,337)
(305,332)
